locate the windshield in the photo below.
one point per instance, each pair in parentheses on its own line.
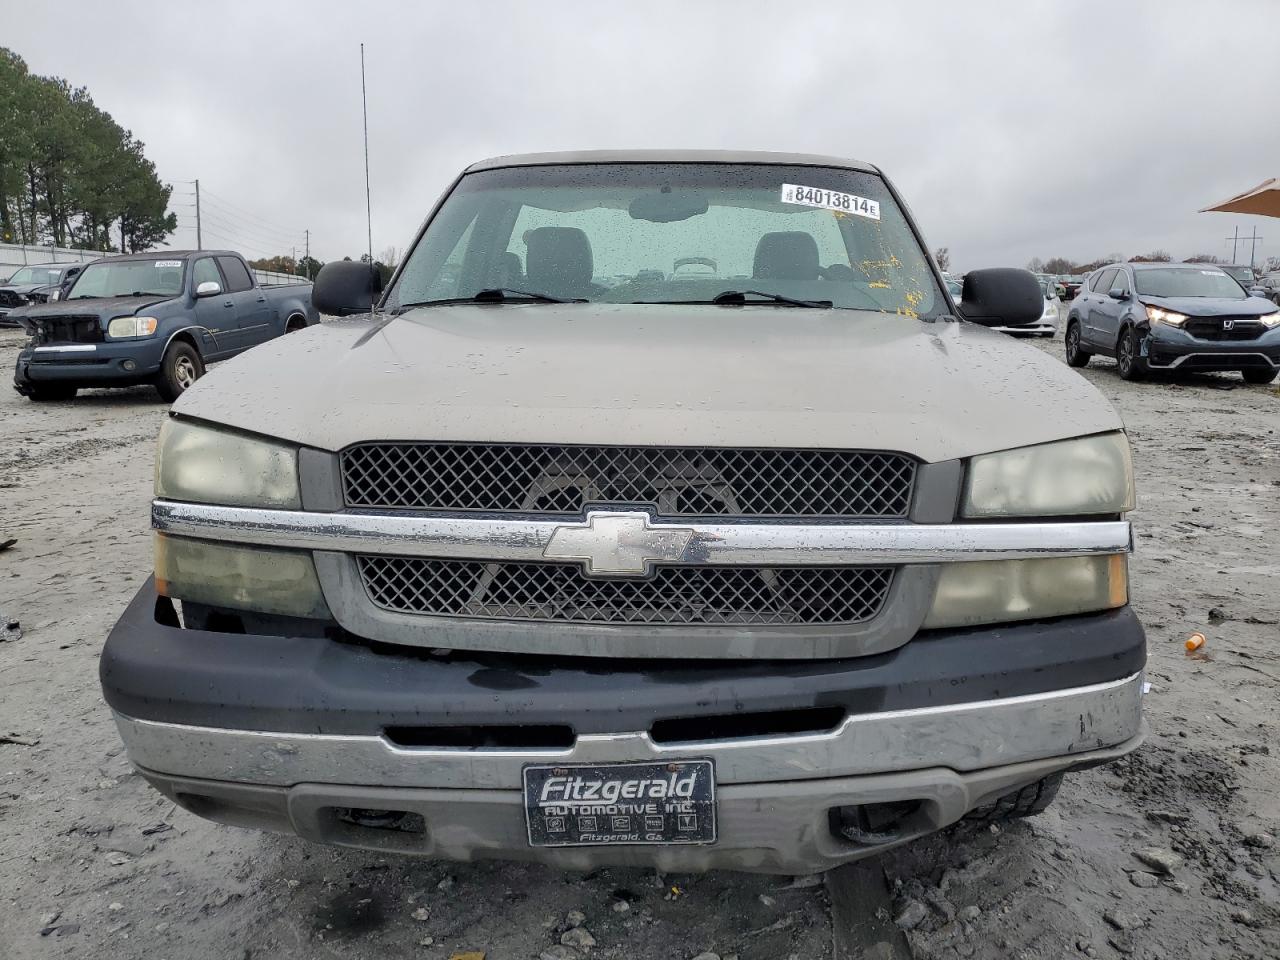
(125,278)
(44,276)
(673,233)
(1242,275)
(1182,282)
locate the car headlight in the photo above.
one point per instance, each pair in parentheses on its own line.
(55,295)
(998,591)
(282,582)
(1168,317)
(122,327)
(1271,320)
(203,465)
(1085,476)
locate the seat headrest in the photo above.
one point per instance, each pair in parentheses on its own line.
(786,255)
(558,258)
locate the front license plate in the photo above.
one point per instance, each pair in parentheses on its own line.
(620,803)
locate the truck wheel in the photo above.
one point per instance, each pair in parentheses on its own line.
(50,392)
(1024,802)
(1257,375)
(180,368)
(1076,357)
(1130,365)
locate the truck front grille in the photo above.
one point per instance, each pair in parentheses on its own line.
(684,482)
(561,592)
(74,329)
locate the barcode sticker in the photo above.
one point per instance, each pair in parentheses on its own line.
(830,200)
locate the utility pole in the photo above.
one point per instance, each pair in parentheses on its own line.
(306,257)
(199,245)
(1253,246)
(293,255)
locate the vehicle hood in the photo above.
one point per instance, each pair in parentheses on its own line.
(24,288)
(106,308)
(653,375)
(1213,306)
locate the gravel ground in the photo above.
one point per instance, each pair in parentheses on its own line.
(94,864)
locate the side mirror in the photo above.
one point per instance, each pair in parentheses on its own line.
(210,288)
(1001,297)
(1117,294)
(344,287)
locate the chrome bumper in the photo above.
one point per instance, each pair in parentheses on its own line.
(962,737)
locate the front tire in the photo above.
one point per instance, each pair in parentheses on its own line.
(180,368)
(50,393)
(1076,356)
(1130,365)
(1258,375)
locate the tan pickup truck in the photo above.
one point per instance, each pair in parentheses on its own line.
(557,555)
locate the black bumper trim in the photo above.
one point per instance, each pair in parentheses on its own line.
(153,671)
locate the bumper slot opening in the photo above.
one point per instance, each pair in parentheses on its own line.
(402,821)
(876,824)
(553,736)
(741,725)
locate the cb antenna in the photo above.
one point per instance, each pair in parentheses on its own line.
(368,202)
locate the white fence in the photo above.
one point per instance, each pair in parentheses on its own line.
(15,256)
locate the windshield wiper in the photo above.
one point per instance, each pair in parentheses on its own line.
(497,295)
(737,297)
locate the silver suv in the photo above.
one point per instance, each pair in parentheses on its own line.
(768,569)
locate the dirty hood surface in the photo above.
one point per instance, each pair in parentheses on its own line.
(1213,306)
(653,375)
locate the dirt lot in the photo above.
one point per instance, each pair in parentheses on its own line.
(94,864)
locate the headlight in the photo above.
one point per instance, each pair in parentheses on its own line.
(244,578)
(1271,320)
(204,465)
(55,295)
(1089,475)
(132,327)
(1167,317)
(996,591)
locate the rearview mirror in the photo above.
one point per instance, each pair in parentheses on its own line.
(209,288)
(1001,297)
(667,207)
(345,287)
(1118,294)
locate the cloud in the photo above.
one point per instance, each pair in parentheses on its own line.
(1013,129)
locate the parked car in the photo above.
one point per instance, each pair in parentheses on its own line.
(152,318)
(1173,316)
(1269,287)
(691,573)
(35,283)
(1070,286)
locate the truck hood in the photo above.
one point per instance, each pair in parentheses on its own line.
(1213,306)
(653,375)
(106,308)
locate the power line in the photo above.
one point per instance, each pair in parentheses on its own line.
(237,209)
(229,227)
(251,227)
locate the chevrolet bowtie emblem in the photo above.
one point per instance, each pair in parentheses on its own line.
(618,543)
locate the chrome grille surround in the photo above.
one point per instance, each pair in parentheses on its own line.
(687,482)
(562,592)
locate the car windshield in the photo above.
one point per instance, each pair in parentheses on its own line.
(1184,282)
(125,278)
(43,276)
(673,233)
(1242,275)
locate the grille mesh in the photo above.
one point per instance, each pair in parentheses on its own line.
(561,592)
(675,481)
(1210,328)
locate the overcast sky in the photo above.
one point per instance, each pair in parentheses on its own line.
(1013,129)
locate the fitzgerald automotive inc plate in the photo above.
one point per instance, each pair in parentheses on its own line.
(620,803)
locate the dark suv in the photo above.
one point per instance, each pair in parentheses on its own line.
(1173,316)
